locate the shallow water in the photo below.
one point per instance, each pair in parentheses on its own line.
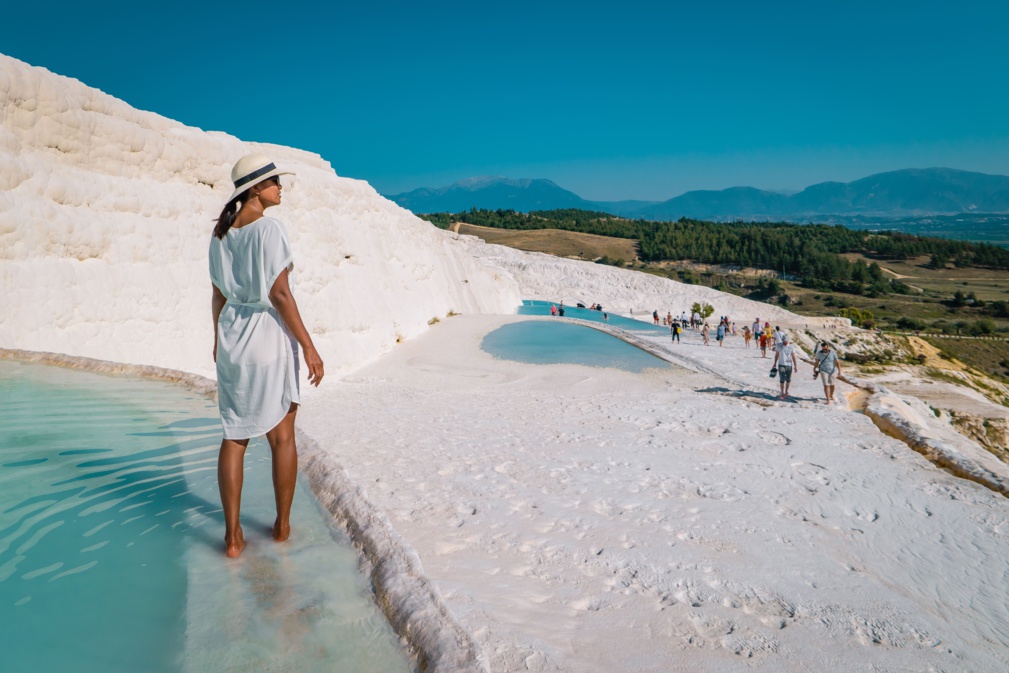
(111,543)
(561,342)
(537,307)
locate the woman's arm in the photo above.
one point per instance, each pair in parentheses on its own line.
(217,302)
(283,300)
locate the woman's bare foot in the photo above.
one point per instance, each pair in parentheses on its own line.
(281,531)
(234,544)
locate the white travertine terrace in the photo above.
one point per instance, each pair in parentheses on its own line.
(105,218)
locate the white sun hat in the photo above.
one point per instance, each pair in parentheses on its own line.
(252,169)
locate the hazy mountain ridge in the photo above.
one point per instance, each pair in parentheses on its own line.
(907,192)
(498,192)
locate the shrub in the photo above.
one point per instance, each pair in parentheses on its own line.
(898,287)
(910,324)
(704,310)
(985,326)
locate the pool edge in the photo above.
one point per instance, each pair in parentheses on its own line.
(409,600)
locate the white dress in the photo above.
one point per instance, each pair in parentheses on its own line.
(257,358)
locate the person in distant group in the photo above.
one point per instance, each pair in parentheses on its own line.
(827,367)
(606,317)
(560,310)
(720,333)
(655,317)
(777,334)
(705,331)
(747,336)
(257,332)
(669,318)
(675,331)
(695,320)
(755,327)
(553,309)
(762,342)
(787,364)
(683,319)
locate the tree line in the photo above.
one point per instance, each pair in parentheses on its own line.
(811,252)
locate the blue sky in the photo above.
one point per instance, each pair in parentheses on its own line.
(613,100)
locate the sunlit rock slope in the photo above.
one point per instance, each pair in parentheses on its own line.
(105,217)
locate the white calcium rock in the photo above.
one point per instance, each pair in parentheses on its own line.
(105,218)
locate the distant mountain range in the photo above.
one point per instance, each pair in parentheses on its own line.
(493,192)
(909,192)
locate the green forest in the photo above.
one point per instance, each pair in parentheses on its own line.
(810,252)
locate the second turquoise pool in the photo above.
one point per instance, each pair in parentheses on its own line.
(561,342)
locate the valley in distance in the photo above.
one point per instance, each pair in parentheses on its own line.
(952,293)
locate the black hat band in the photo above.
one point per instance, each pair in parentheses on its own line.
(255,174)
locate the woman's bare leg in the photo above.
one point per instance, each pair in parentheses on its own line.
(285,472)
(230,475)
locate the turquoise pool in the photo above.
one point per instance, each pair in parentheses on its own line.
(562,342)
(537,307)
(111,543)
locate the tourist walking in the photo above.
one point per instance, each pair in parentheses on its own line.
(257,331)
(675,331)
(747,336)
(705,331)
(720,333)
(827,367)
(762,342)
(786,363)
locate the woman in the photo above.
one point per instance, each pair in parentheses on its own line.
(257,330)
(705,331)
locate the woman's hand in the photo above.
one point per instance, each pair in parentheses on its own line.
(315,367)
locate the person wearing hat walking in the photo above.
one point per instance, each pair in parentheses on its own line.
(257,332)
(786,363)
(827,367)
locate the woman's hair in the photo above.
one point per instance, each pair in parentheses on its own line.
(229,213)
